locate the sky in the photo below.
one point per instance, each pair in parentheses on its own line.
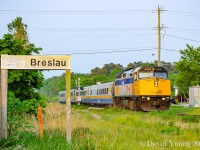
(98,32)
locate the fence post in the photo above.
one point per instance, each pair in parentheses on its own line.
(40,121)
(52,106)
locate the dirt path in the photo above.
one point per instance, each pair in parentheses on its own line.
(93,114)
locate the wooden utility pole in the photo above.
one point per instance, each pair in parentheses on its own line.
(159,45)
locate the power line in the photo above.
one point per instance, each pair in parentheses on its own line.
(188,29)
(9,11)
(182,38)
(85,29)
(80,52)
(92,11)
(172,50)
(73,11)
(115,49)
(105,51)
(100,29)
(182,13)
(184,32)
(88,36)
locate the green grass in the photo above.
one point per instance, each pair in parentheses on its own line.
(114,129)
(193,111)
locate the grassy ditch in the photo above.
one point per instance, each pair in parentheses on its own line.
(110,128)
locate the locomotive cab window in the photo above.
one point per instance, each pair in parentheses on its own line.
(161,75)
(146,74)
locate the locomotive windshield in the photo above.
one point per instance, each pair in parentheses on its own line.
(145,74)
(148,72)
(153,74)
(161,75)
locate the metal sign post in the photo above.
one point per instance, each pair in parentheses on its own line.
(25,62)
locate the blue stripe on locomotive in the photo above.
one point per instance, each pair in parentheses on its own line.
(97,100)
(124,81)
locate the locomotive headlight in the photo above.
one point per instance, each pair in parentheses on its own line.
(163,98)
(148,98)
(155,83)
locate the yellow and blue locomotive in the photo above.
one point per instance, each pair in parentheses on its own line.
(142,88)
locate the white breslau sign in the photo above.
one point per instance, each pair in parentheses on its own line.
(35,62)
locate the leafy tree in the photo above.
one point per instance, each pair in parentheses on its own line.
(95,71)
(188,69)
(113,73)
(100,78)
(53,85)
(16,108)
(22,83)
(18,29)
(74,79)
(134,64)
(130,65)
(87,82)
(149,64)
(107,68)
